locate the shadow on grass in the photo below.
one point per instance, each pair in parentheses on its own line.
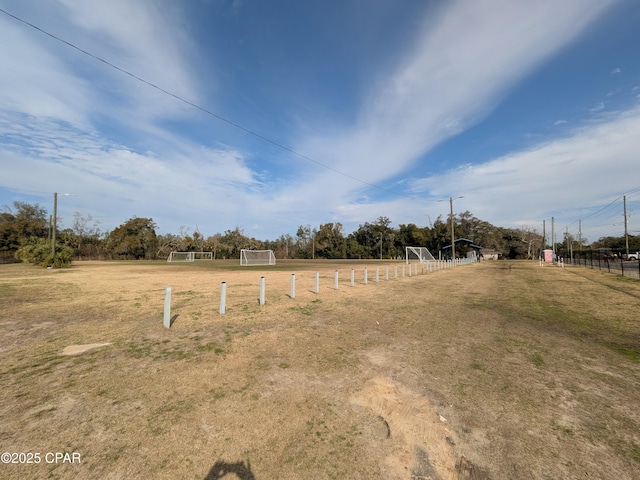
(221,469)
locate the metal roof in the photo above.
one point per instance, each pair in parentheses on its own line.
(465,240)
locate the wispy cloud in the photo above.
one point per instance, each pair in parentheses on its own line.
(125,147)
(468,56)
(528,186)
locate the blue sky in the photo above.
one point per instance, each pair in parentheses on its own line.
(348,110)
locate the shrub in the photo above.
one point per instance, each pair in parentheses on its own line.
(38,252)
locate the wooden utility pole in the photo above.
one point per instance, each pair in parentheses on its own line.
(55,215)
(580,234)
(626,230)
(453,240)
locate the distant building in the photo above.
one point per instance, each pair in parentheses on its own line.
(489,254)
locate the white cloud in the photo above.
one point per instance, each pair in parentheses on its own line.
(48,78)
(616,70)
(562,177)
(466,58)
(25,64)
(469,56)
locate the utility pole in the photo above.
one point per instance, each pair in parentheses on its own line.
(580,234)
(453,241)
(626,230)
(553,235)
(55,215)
(453,238)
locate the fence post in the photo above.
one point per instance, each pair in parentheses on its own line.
(167,308)
(223,298)
(293,286)
(262,288)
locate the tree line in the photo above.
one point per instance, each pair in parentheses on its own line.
(26,235)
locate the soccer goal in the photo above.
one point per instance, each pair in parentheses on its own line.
(257,257)
(419,254)
(181,257)
(202,255)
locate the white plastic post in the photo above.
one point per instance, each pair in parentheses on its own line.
(365,275)
(395,271)
(410,268)
(386,273)
(335,280)
(403,270)
(353,277)
(317,282)
(262,282)
(293,286)
(377,274)
(223,298)
(167,308)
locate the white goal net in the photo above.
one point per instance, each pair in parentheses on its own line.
(419,254)
(202,255)
(181,257)
(257,257)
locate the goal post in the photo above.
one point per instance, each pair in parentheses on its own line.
(257,257)
(181,257)
(419,254)
(202,255)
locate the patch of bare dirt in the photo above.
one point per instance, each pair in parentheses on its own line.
(78,349)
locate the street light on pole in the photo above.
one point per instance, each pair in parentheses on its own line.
(453,238)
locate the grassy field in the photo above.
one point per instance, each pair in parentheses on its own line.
(494,370)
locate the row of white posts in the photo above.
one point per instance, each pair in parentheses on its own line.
(412,269)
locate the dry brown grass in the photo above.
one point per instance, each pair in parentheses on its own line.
(480,371)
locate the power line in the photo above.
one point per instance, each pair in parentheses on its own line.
(202,109)
(25,191)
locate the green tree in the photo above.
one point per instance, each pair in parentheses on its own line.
(440,236)
(410,235)
(19,225)
(304,241)
(134,239)
(330,241)
(232,241)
